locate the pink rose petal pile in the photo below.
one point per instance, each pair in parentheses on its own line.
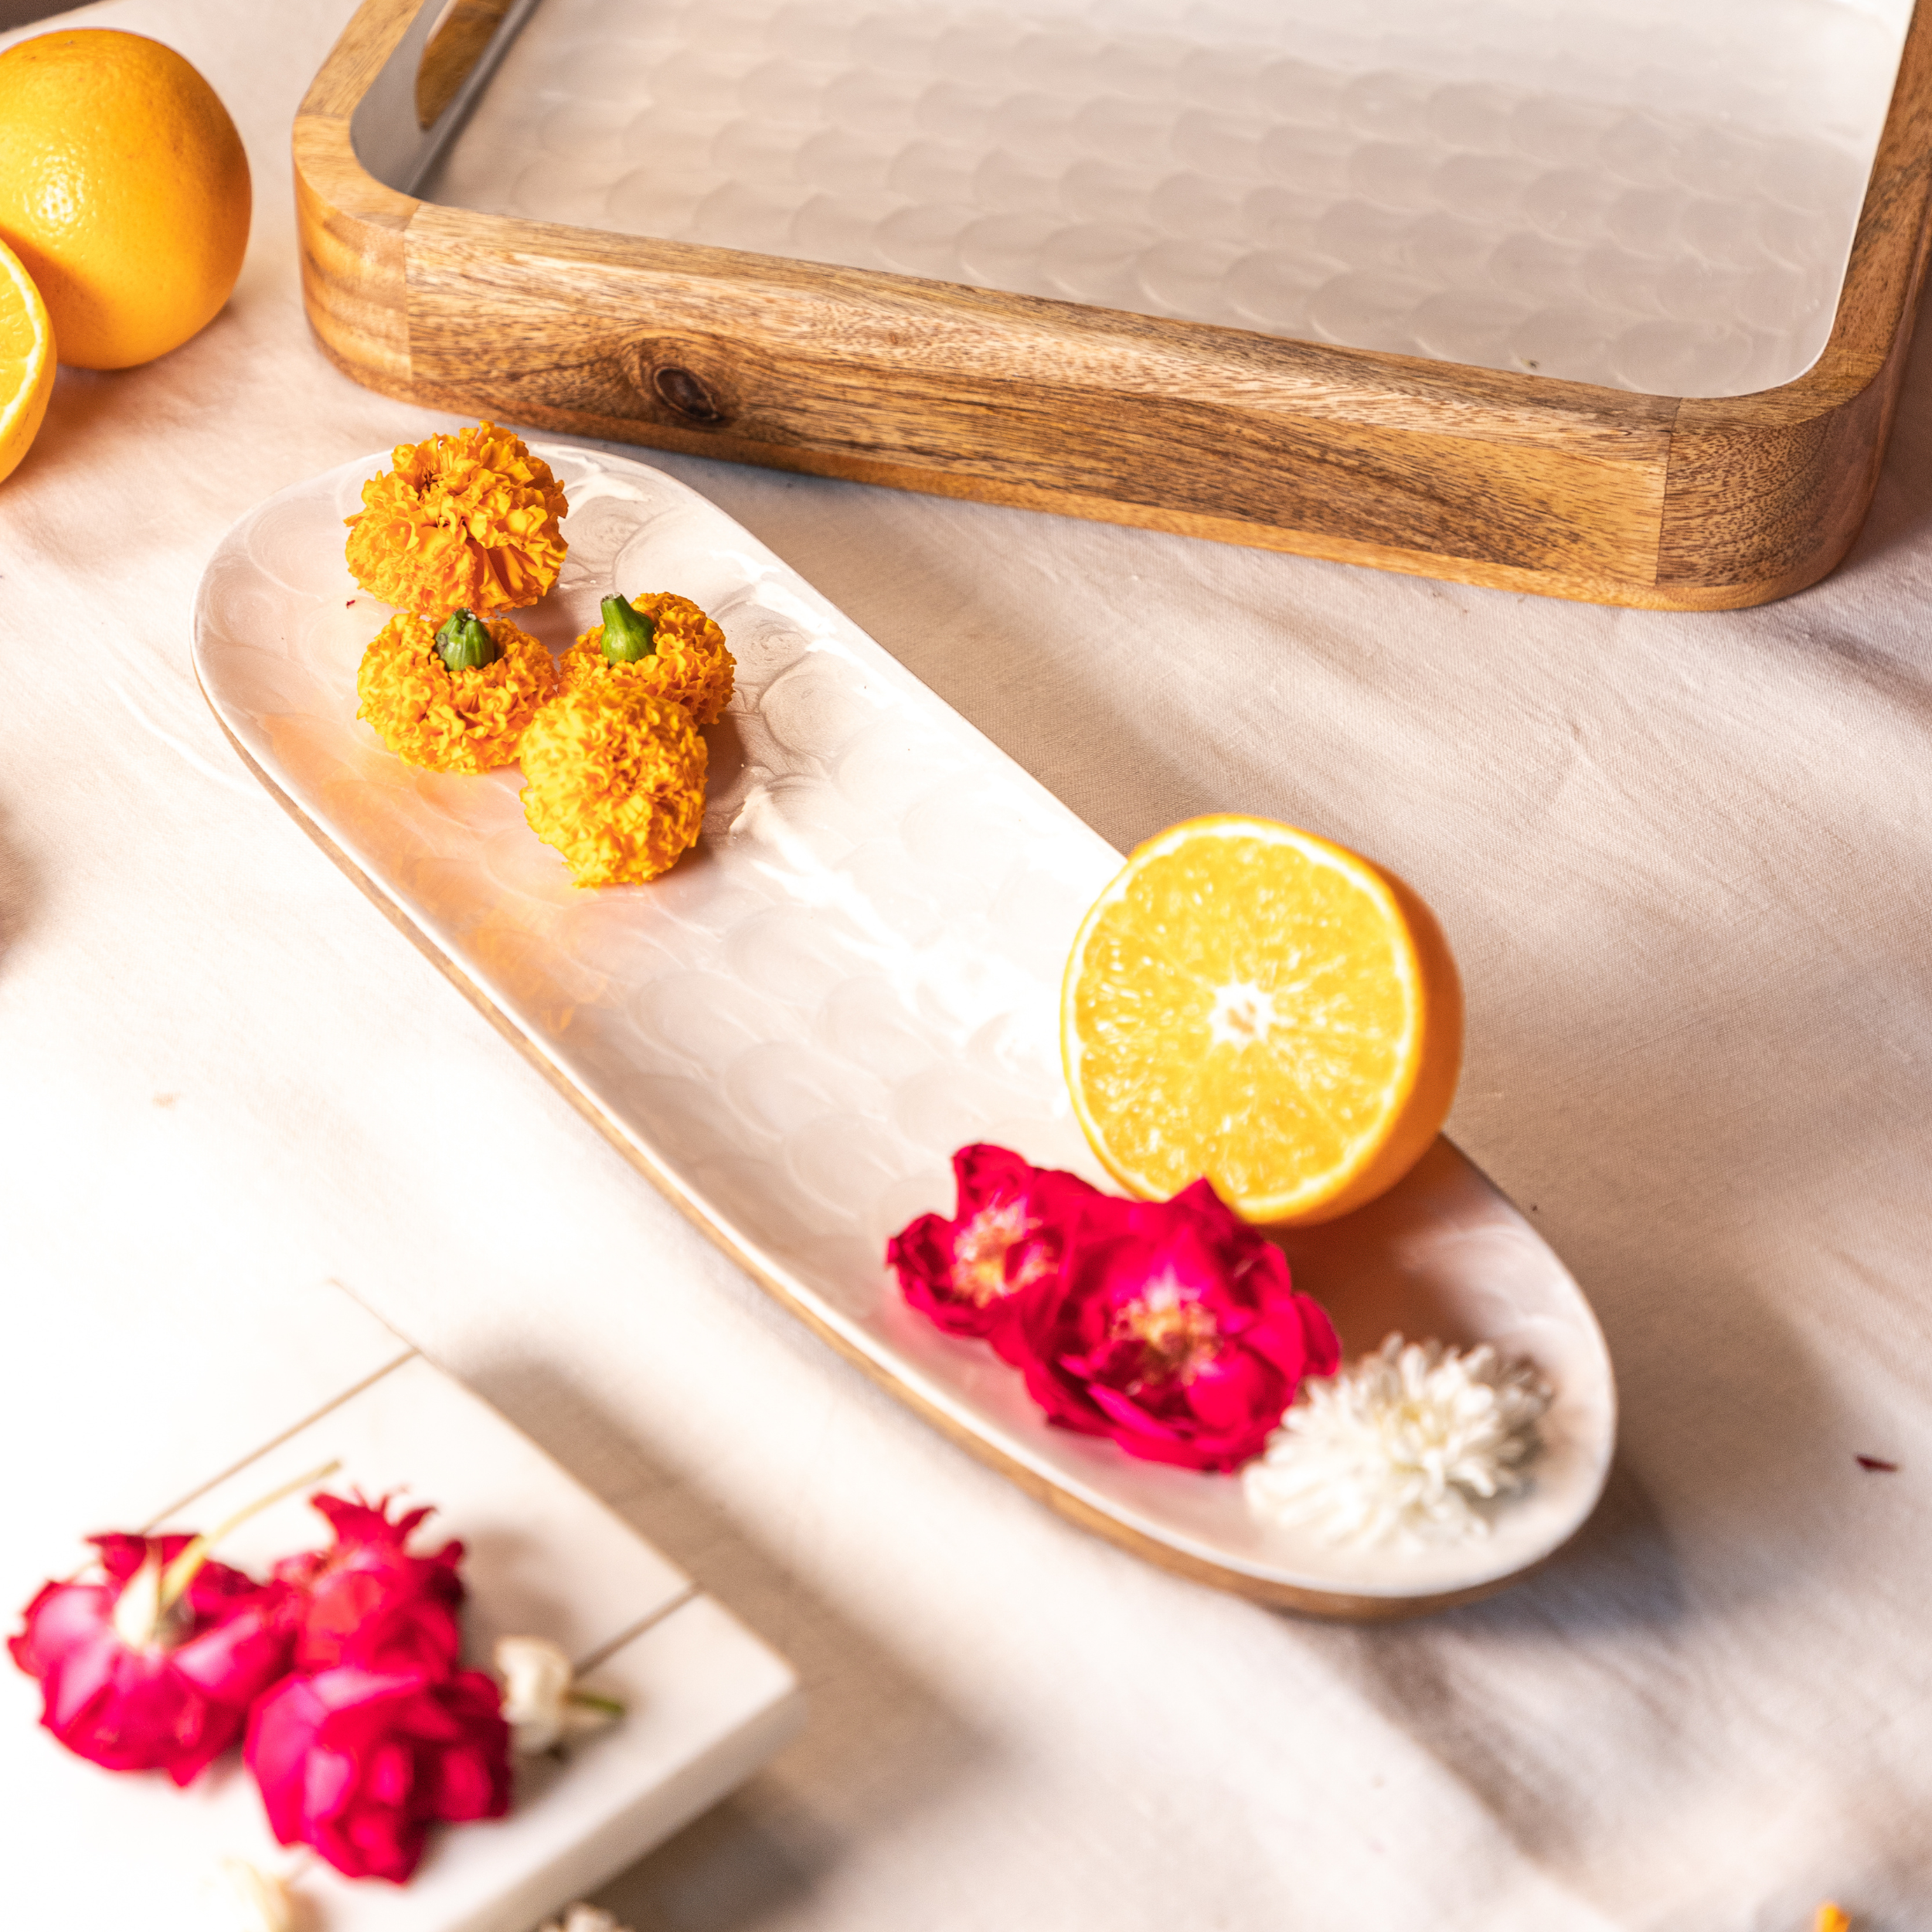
(1171,1327)
(174,1704)
(360,1729)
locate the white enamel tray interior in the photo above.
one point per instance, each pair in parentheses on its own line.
(1655,194)
(855,970)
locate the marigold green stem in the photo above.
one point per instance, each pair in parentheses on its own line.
(464,643)
(185,1567)
(590,1701)
(629,635)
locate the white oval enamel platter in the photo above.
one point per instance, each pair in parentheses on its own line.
(856,970)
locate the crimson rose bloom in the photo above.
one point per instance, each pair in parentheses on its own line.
(133,1690)
(366,1600)
(969,1274)
(1172,1326)
(358,1763)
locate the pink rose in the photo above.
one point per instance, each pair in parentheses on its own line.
(1173,1328)
(366,1600)
(132,1688)
(358,1763)
(969,1274)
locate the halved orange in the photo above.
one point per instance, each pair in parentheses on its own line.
(26,360)
(1253,1003)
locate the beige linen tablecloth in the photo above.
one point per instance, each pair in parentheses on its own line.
(1686,862)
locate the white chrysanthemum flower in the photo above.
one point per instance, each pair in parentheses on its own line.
(584,1918)
(1401,1447)
(241,1898)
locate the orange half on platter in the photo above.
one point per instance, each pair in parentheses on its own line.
(1249,1002)
(856,969)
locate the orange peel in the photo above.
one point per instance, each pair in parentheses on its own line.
(26,361)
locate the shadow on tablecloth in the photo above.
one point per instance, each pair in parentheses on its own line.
(19,892)
(879,1742)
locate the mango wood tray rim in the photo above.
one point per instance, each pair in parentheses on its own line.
(1488,478)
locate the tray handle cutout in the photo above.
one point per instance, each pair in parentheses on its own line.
(426,87)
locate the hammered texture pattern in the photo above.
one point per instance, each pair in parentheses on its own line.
(1656,195)
(855,972)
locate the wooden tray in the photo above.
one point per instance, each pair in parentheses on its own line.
(1512,480)
(855,971)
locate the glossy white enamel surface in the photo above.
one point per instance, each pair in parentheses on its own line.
(856,970)
(1656,195)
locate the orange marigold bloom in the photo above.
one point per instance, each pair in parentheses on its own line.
(466,521)
(452,720)
(614,779)
(690,665)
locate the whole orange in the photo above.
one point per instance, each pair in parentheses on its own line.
(124,188)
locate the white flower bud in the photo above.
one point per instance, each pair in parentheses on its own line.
(138,1618)
(584,1918)
(243,1899)
(537,1677)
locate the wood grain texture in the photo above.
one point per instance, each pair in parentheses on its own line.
(1767,493)
(1477,475)
(1016,398)
(351,230)
(451,52)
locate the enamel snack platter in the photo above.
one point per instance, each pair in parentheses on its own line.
(856,970)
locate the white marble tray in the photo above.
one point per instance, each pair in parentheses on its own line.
(855,970)
(1658,196)
(707,1701)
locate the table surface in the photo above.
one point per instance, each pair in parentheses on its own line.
(1686,862)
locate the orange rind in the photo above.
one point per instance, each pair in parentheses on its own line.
(26,361)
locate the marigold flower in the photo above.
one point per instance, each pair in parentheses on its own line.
(615,782)
(466,520)
(469,721)
(687,663)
